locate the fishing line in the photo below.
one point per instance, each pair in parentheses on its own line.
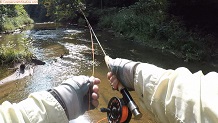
(90,27)
(93,65)
(102,120)
(93,54)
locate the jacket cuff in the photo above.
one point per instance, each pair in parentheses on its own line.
(58,98)
(70,99)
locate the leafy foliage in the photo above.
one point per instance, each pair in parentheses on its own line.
(13,17)
(148,21)
(12,53)
(61,10)
(67,10)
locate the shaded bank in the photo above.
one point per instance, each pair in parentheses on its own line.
(150,23)
(157,24)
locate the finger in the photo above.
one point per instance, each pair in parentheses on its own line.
(114,82)
(95,88)
(96,81)
(114,79)
(95,103)
(109,75)
(95,96)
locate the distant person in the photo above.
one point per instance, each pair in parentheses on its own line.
(62,56)
(22,67)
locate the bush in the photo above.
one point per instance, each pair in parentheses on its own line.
(148,22)
(10,22)
(9,53)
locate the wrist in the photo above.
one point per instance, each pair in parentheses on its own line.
(59,99)
(127,75)
(70,99)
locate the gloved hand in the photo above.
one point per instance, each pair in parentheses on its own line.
(123,69)
(78,94)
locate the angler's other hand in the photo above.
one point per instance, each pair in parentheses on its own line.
(79,94)
(123,70)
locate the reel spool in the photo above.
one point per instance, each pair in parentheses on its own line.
(117,111)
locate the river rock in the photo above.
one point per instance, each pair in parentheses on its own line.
(37,61)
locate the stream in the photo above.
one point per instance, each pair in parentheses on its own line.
(48,41)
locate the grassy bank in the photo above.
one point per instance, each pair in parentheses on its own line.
(13,17)
(11,53)
(149,23)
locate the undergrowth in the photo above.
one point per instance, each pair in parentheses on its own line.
(148,22)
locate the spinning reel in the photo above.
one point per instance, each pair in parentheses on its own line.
(117,111)
(121,110)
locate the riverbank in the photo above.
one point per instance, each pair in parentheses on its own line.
(14,51)
(166,35)
(13,20)
(151,24)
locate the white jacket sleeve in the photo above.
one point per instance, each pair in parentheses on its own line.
(39,107)
(177,95)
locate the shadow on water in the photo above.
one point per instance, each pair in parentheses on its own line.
(73,44)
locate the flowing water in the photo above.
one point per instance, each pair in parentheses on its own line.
(49,41)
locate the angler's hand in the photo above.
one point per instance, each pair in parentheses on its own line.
(79,94)
(113,80)
(123,70)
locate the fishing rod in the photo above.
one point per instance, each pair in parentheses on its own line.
(119,110)
(90,27)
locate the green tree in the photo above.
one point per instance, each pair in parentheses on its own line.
(12,17)
(62,10)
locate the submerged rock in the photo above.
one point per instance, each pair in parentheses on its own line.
(37,62)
